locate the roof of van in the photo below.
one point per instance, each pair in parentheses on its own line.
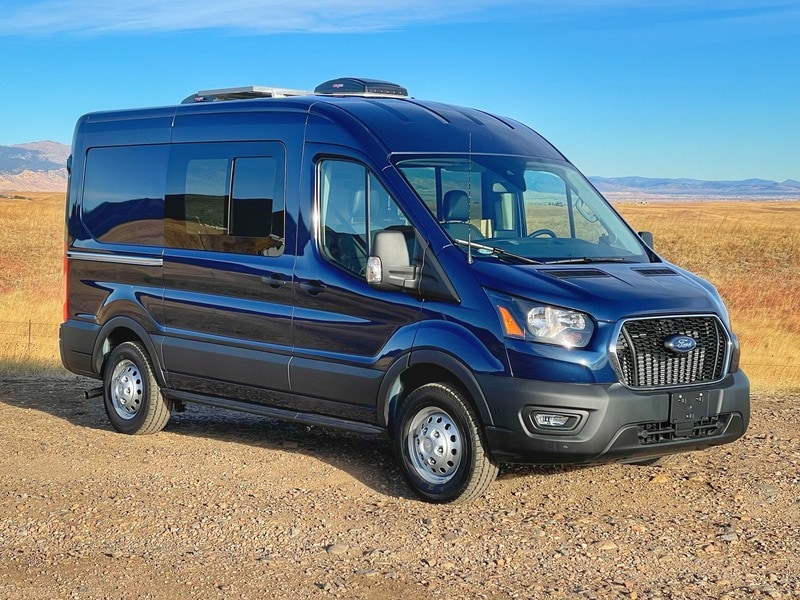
(411,125)
(400,124)
(406,125)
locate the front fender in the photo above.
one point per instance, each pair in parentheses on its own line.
(486,354)
(442,351)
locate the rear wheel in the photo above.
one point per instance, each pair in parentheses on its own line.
(440,447)
(132,398)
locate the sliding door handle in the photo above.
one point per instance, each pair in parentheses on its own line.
(313,287)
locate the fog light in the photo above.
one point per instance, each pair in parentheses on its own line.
(551,419)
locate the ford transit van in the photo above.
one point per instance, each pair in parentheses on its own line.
(356,258)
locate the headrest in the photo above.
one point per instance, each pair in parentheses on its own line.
(455,206)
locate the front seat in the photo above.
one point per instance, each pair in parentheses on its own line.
(455,206)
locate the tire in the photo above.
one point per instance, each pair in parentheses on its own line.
(131,395)
(440,447)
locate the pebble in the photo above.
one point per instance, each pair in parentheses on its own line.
(769,490)
(605,546)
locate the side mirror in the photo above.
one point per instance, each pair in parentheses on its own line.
(389,266)
(647,238)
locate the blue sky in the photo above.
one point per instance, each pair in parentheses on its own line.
(659,88)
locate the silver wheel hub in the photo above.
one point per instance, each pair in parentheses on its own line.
(126,389)
(434,445)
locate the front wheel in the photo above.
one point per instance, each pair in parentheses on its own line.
(439,445)
(133,401)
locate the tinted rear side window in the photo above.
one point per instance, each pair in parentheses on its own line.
(123,194)
(253,199)
(226,197)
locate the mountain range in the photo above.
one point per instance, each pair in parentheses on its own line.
(41,167)
(697,187)
(34,167)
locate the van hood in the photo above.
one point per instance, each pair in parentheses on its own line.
(607,291)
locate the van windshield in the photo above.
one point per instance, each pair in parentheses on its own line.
(543,211)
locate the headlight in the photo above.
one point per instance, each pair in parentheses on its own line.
(562,326)
(543,323)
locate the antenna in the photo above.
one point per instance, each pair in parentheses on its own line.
(469,203)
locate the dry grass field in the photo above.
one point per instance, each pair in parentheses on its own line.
(749,250)
(31,281)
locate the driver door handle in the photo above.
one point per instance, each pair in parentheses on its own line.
(276,280)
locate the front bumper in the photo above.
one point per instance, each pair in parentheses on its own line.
(609,422)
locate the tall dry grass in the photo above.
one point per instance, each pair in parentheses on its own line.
(31,281)
(749,250)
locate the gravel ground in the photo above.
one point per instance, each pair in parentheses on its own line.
(225,505)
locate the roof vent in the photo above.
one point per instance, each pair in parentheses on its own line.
(242,93)
(351,86)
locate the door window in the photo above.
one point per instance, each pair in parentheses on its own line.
(353,207)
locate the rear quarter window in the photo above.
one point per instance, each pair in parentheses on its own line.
(123,194)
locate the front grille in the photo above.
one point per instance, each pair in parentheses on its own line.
(644,361)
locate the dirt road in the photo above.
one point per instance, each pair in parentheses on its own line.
(224,505)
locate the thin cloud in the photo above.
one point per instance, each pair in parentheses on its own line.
(78,17)
(246,16)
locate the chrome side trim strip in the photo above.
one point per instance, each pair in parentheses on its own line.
(120,259)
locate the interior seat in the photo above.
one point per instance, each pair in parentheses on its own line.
(455,206)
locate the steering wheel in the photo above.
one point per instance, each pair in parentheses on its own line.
(540,232)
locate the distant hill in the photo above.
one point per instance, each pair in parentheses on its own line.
(34,167)
(697,187)
(41,167)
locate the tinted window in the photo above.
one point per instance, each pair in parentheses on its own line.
(123,194)
(253,206)
(226,197)
(206,195)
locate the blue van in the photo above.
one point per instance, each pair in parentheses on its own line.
(356,258)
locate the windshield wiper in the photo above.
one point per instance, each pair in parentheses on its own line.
(498,252)
(587,260)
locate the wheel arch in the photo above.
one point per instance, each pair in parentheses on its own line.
(119,330)
(428,366)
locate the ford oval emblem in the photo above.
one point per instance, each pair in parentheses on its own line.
(680,343)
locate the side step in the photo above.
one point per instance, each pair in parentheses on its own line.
(278,413)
